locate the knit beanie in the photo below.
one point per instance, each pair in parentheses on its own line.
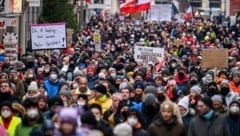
(33,87)
(149,99)
(224,83)
(150,89)
(65,92)
(122,129)
(68,115)
(196,89)
(217,98)
(193,74)
(100,88)
(54,70)
(184,103)
(138,85)
(6,103)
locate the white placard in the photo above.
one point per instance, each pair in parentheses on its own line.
(34,3)
(48,36)
(160,12)
(145,55)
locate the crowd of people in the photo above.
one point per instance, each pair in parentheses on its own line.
(78,91)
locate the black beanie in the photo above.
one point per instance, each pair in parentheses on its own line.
(100,88)
(6,103)
(207,101)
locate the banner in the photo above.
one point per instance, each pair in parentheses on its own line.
(16,6)
(160,12)
(10,41)
(145,55)
(215,58)
(9,38)
(48,36)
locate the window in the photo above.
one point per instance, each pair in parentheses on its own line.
(214,3)
(98,1)
(196,3)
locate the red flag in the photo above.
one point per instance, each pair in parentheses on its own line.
(188,14)
(133,6)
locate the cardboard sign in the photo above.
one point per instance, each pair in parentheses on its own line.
(145,55)
(48,36)
(215,58)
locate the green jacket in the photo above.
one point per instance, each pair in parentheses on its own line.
(24,130)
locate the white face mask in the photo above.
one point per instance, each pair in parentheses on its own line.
(234,109)
(30,75)
(53,76)
(46,70)
(56,125)
(81,103)
(32,113)
(113,75)
(6,114)
(132,121)
(98,118)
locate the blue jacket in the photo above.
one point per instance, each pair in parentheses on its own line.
(91,81)
(234,125)
(52,88)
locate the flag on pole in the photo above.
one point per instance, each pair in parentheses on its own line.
(174,10)
(134,6)
(188,14)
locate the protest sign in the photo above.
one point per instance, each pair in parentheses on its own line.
(97,38)
(214,58)
(97,41)
(48,36)
(145,55)
(160,12)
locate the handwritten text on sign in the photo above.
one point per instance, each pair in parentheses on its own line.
(48,36)
(148,54)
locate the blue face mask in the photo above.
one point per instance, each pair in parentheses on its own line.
(208,115)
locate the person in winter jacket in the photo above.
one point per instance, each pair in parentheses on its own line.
(101,97)
(103,125)
(134,119)
(218,105)
(233,118)
(68,123)
(208,122)
(226,93)
(32,119)
(187,113)
(52,83)
(3,132)
(8,119)
(168,124)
